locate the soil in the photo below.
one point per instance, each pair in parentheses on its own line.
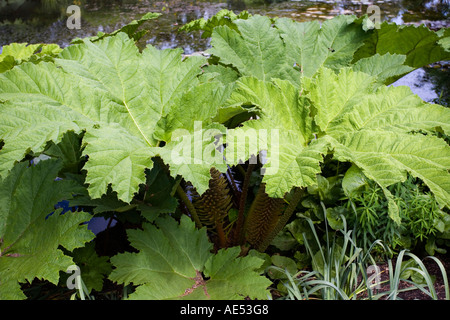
(432,268)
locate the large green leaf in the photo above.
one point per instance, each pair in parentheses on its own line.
(334,94)
(378,130)
(29,237)
(124,100)
(385,131)
(284,130)
(175,262)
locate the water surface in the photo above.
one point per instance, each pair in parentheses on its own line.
(45,21)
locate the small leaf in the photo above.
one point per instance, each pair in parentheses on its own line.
(353,181)
(284,263)
(222,18)
(93,268)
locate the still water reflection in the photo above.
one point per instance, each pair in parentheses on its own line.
(45,20)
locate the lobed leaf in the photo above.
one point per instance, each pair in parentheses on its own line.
(175,262)
(256,49)
(284,130)
(385,131)
(27,197)
(312,45)
(378,130)
(127,102)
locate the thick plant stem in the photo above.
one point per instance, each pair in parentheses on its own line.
(221,235)
(298,193)
(238,234)
(181,193)
(189,205)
